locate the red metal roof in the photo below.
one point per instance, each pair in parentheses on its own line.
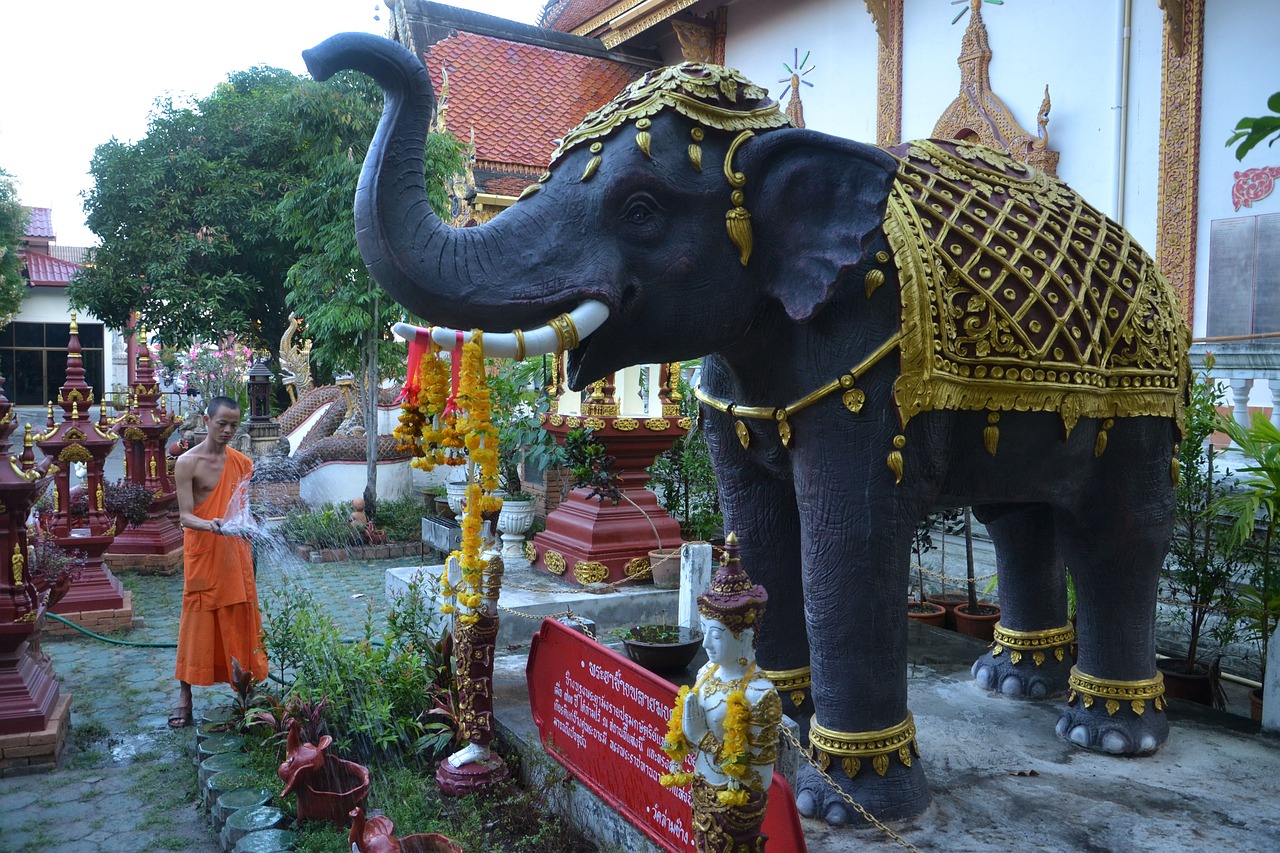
(568,15)
(40,223)
(48,271)
(520,98)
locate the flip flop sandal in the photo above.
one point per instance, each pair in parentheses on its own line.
(180,718)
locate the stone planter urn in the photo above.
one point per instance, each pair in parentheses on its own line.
(456,495)
(514,522)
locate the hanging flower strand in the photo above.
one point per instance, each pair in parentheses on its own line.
(480,437)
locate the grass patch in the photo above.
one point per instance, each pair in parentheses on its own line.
(87,734)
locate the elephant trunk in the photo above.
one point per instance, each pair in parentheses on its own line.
(465,277)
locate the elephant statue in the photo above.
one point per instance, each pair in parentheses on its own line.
(884,332)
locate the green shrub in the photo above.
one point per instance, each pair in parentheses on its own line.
(326,527)
(400,519)
(388,697)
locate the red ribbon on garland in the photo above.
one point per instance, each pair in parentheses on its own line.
(417,349)
(455,367)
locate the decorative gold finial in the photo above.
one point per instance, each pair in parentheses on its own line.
(75,326)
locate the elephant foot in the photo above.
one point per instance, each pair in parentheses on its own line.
(901,793)
(878,770)
(1116,717)
(1024,678)
(1026,664)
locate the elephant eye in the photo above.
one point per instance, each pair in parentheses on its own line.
(638,213)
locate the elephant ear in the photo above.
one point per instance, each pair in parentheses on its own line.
(817,203)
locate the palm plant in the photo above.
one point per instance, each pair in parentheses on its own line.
(1254,507)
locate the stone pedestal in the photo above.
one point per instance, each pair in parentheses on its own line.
(696,565)
(37,751)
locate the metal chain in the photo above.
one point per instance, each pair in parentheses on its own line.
(916,567)
(566,614)
(789,735)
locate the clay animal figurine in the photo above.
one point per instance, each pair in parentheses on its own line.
(885,332)
(328,787)
(377,835)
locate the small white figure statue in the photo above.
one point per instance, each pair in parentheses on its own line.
(730,717)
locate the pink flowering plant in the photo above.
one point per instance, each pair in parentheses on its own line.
(214,369)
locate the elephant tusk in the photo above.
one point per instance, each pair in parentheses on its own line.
(564,332)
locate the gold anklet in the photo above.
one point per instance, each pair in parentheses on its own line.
(1038,643)
(1136,693)
(854,747)
(793,682)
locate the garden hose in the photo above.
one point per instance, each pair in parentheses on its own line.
(142,645)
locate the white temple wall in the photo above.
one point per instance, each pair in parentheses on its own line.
(1241,70)
(840,38)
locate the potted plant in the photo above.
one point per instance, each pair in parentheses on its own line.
(129,502)
(921,608)
(660,648)
(1253,508)
(974,618)
(948,522)
(50,568)
(517,405)
(684,480)
(1199,576)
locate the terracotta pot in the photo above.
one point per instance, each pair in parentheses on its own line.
(428,842)
(1255,704)
(980,623)
(664,563)
(1195,686)
(441,506)
(665,657)
(948,601)
(927,612)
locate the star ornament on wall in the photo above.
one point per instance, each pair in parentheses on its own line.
(971,3)
(795,71)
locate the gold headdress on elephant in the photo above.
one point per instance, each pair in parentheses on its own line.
(712,96)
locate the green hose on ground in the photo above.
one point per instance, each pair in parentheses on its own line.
(83,630)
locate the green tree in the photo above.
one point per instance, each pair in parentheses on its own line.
(187,217)
(13,225)
(348,316)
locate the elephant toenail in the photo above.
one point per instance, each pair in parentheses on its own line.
(1080,736)
(806,805)
(837,814)
(1148,743)
(1115,742)
(1037,689)
(1011,686)
(985,676)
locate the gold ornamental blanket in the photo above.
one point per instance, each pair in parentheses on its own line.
(1017,295)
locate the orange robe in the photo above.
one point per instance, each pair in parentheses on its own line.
(220,617)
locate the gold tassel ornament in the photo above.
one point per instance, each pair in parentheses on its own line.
(1100,443)
(991,435)
(895,458)
(695,150)
(1175,467)
(737,219)
(593,164)
(643,138)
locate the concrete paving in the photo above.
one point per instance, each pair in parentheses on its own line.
(1002,780)
(126,781)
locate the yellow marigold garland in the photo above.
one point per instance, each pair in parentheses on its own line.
(675,746)
(481,441)
(733,759)
(425,428)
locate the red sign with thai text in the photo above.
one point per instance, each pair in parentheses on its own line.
(604,718)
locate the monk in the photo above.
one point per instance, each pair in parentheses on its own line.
(220,617)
